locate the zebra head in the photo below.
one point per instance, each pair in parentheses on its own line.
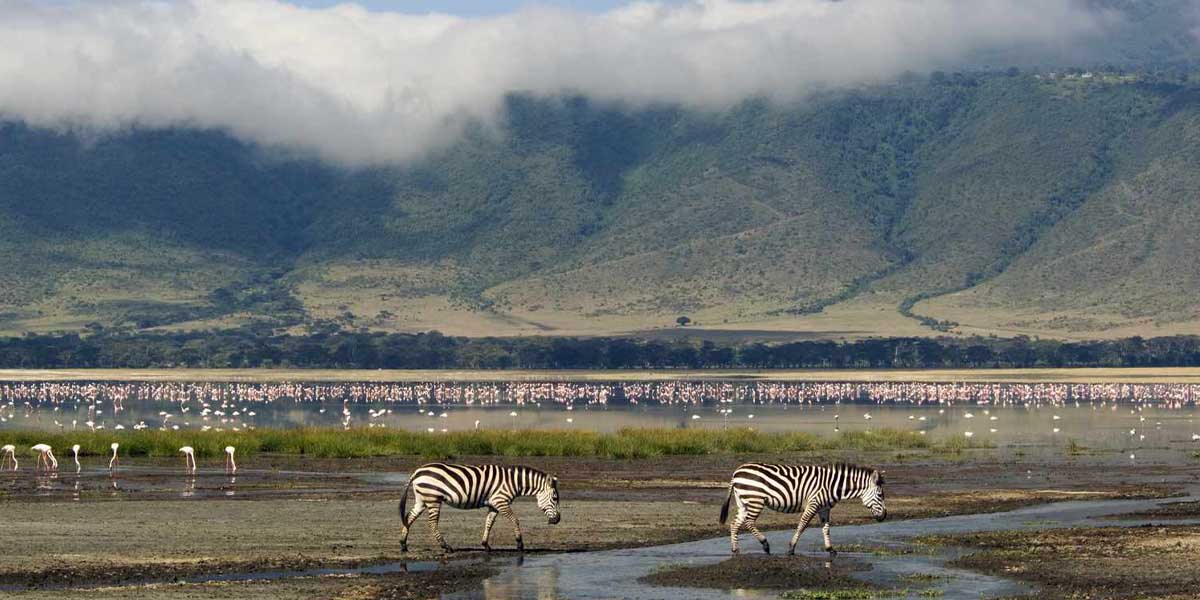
(872,495)
(547,499)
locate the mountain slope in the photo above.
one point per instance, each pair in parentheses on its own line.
(1003,202)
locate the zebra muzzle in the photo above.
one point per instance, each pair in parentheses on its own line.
(555,519)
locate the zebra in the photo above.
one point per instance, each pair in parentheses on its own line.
(808,489)
(476,486)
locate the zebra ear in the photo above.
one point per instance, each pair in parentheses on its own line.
(554,482)
(879,477)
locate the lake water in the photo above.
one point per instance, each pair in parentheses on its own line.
(1110,416)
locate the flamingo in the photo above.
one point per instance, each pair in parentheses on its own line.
(10,451)
(114,461)
(45,456)
(230,465)
(75,450)
(189,459)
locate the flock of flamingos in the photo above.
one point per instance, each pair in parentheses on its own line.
(47,462)
(233,406)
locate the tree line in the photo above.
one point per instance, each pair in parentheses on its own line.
(248,349)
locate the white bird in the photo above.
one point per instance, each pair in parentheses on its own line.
(476,424)
(10,451)
(969,433)
(230,465)
(114,462)
(570,420)
(1056,417)
(694,417)
(867,416)
(75,451)
(189,459)
(993,430)
(1055,430)
(1195,438)
(45,456)
(968,416)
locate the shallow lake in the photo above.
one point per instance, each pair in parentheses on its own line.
(1108,416)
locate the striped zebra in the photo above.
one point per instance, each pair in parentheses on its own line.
(476,486)
(808,489)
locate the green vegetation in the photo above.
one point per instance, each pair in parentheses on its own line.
(861,593)
(360,442)
(250,348)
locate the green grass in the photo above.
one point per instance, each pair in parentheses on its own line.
(847,594)
(357,443)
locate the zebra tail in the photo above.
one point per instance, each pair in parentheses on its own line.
(725,507)
(404,504)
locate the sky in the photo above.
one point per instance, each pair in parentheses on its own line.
(468,8)
(357,86)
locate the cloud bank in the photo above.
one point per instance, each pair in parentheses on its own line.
(359,88)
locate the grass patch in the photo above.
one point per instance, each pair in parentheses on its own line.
(846,594)
(365,442)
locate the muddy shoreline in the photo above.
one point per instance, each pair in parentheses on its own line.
(156,529)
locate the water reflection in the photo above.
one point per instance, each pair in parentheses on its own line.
(540,583)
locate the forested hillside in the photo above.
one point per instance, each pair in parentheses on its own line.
(1060,204)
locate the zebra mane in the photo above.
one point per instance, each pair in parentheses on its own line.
(852,468)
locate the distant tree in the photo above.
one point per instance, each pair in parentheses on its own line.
(683,321)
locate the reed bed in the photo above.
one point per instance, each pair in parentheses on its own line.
(366,442)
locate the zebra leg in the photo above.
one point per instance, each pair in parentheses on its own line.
(506,510)
(435,510)
(751,518)
(735,526)
(487,528)
(804,521)
(825,523)
(407,521)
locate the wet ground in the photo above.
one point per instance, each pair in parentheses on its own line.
(151,531)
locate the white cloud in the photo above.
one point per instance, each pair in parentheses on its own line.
(360,87)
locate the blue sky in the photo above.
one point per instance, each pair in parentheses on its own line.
(466,7)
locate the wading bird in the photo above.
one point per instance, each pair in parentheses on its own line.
(189,459)
(45,456)
(114,462)
(75,451)
(10,451)
(230,465)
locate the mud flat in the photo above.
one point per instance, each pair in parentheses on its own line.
(1155,561)
(151,532)
(767,572)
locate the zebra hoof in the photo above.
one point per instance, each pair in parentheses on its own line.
(766,547)
(447,549)
(404,546)
(832,552)
(520,546)
(791,552)
(734,552)
(487,547)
